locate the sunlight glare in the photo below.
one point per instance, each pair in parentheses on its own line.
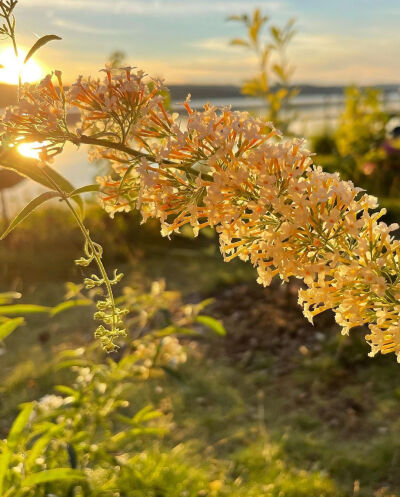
(30,72)
(31,150)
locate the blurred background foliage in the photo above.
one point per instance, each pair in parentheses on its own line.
(275,407)
(272,82)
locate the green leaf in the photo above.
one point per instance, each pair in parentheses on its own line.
(5,457)
(175,330)
(10,158)
(28,209)
(69,304)
(72,362)
(146,414)
(84,189)
(58,474)
(19,424)
(18,309)
(9,326)
(212,323)
(67,391)
(204,303)
(40,445)
(40,42)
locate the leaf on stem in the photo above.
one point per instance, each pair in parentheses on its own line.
(28,209)
(29,168)
(212,323)
(84,189)
(40,42)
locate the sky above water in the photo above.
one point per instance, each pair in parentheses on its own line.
(187,41)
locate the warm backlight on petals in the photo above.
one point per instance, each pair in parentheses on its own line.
(30,72)
(32,149)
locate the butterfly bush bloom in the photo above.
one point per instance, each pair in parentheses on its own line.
(264,196)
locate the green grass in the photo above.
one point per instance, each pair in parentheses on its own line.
(250,429)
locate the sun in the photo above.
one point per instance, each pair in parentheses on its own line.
(30,72)
(32,149)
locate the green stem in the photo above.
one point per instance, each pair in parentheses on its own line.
(85,233)
(14,42)
(97,258)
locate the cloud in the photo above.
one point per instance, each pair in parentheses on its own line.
(215,45)
(159,7)
(345,58)
(83,28)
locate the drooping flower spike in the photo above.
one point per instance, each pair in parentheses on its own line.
(264,196)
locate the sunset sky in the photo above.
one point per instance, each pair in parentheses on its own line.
(340,41)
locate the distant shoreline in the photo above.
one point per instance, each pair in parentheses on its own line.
(179,92)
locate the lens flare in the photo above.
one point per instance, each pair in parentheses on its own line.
(12,66)
(31,150)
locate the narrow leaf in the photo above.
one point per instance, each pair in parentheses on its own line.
(40,42)
(213,324)
(69,364)
(18,309)
(145,414)
(58,474)
(19,424)
(40,445)
(85,189)
(10,158)
(70,304)
(28,209)
(9,326)
(67,391)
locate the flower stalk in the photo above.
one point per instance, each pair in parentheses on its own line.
(108,312)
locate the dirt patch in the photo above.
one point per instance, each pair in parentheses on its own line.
(269,319)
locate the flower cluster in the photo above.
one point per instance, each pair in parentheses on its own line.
(40,116)
(264,196)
